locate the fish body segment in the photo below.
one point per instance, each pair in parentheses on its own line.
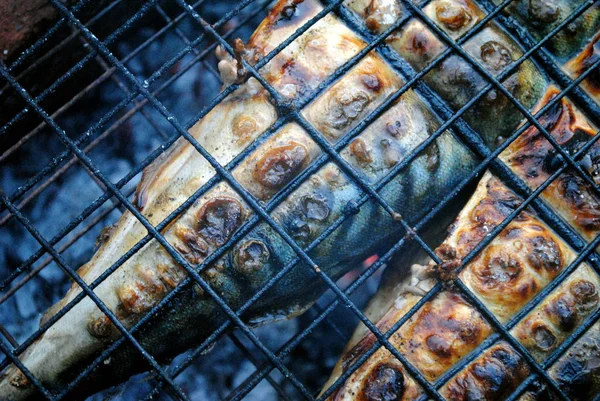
(454,79)
(327,196)
(524,258)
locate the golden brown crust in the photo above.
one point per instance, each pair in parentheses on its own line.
(582,62)
(491,377)
(518,263)
(550,323)
(358,92)
(534,159)
(514,267)
(440,334)
(309,59)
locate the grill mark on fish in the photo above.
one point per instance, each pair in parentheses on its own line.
(499,370)
(583,62)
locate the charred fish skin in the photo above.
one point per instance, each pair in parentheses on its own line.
(540,17)
(505,276)
(575,47)
(524,258)
(533,158)
(454,79)
(146,278)
(583,62)
(576,372)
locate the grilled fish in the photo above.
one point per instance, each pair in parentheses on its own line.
(523,259)
(328,195)
(575,47)
(133,289)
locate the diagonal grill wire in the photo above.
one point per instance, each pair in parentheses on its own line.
(195,196)
(147,6)
(486,313)
(556,354)
(103,214)
(32,379)
(479,169)
(132,209)
(498,85)
(146,224)
(289,240)
(562,94)
(156,75)
(276,386)
(550,63)
(204,112)
(589,144)
(246,196)
(60,261)
(532,303)
(63,156)
(111,38)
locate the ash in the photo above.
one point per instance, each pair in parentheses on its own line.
(234,358)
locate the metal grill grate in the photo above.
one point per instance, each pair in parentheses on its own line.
(140,95)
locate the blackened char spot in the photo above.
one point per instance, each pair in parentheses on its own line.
(581,201)
(279,165)
(491,378)
(545,254)
(291,12)
(543,337)
(384,383)
(577,373)
(218,219)
(565,314)
(585,293)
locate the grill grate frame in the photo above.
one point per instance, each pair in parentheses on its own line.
(290,112)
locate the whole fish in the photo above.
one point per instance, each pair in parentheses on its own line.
(518,263)
(328,195)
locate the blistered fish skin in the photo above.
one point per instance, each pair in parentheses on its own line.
(454,79)
(75,339)
(518,263)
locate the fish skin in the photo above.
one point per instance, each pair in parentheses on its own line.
(533,158)
(583,62)
(81,334)
(540,17)
(492,47)
(575,47)
(504,276)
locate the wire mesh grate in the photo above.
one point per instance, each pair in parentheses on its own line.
(141,95)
